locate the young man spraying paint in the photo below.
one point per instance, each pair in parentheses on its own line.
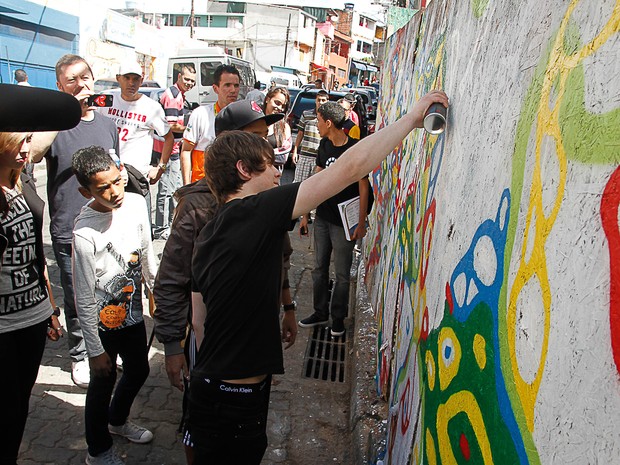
(241,248)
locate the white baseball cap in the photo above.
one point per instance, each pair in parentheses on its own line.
(130,67)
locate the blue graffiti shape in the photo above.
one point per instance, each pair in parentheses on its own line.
(476,291)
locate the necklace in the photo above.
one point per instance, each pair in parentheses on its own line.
(343,142)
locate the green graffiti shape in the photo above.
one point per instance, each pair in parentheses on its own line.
(478,7)
(588,138)
(471,378)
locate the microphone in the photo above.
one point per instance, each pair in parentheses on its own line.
(32,109)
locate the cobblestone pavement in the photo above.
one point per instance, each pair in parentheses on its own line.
(308,421)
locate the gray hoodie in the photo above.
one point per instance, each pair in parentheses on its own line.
(112,252)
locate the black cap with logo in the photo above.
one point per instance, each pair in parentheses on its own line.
(238,115)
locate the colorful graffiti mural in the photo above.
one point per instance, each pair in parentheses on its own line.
(474,369)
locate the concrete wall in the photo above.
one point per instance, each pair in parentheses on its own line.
(494,253)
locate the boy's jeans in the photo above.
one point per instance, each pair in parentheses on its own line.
(168,184)
(228,422)
(130,344)
(330,238)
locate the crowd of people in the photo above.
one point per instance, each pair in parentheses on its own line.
(224,318)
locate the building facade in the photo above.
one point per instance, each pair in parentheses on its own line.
(32,38)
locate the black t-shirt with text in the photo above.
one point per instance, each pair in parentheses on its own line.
(328,153)
(237,266)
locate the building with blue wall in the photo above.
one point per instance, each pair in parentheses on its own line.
(33,37)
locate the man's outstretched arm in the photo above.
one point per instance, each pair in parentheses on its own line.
(363,157)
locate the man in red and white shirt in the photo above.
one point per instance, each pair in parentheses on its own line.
(173,101)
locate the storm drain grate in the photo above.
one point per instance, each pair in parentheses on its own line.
(325,356)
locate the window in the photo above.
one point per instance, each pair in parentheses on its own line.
(366,47)
(359,45)
(177,67)
(236,7)
(235,22)
(207,68)
(247,77)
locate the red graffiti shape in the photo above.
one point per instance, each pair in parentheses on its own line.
(609,218)
(464,444)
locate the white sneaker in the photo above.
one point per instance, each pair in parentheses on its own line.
(133,432)
(80,373)
(109,457)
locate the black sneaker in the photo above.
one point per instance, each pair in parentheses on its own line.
(313,320)
(337,327)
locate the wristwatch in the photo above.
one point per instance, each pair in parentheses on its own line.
(162,166)
(291,306)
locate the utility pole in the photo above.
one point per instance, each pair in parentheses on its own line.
(256,44)
(191,21)
(288,30)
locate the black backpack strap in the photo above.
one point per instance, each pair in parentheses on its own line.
(174,91)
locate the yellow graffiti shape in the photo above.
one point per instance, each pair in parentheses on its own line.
(480,351)
(535,266)
(430,369)
(431,453)
(449,357)
(465,402)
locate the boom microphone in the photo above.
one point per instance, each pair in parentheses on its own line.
(31,109)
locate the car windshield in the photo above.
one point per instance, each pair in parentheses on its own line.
(104,84)
(306,100)
(151,84)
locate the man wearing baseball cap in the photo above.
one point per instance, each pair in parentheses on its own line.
(137,117)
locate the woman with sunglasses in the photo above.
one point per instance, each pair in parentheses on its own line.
(26,315)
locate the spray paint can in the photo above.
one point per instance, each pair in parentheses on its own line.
(435,118)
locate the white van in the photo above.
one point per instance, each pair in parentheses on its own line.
(285,79)
(204,62)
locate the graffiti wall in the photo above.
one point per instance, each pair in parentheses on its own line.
(494,254)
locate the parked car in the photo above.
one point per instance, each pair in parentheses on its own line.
(305,100)
(151,92)
(102,85)
(292,92)
(373,91)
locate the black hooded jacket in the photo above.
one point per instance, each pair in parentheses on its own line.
(173,284)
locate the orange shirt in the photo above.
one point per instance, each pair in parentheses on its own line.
(198,156)
(198,165)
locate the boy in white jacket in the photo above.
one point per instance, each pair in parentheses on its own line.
(112,252)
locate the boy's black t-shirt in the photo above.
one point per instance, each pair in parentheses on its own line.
(236,266)
(328,153)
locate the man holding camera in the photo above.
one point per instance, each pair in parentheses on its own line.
(75,77)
